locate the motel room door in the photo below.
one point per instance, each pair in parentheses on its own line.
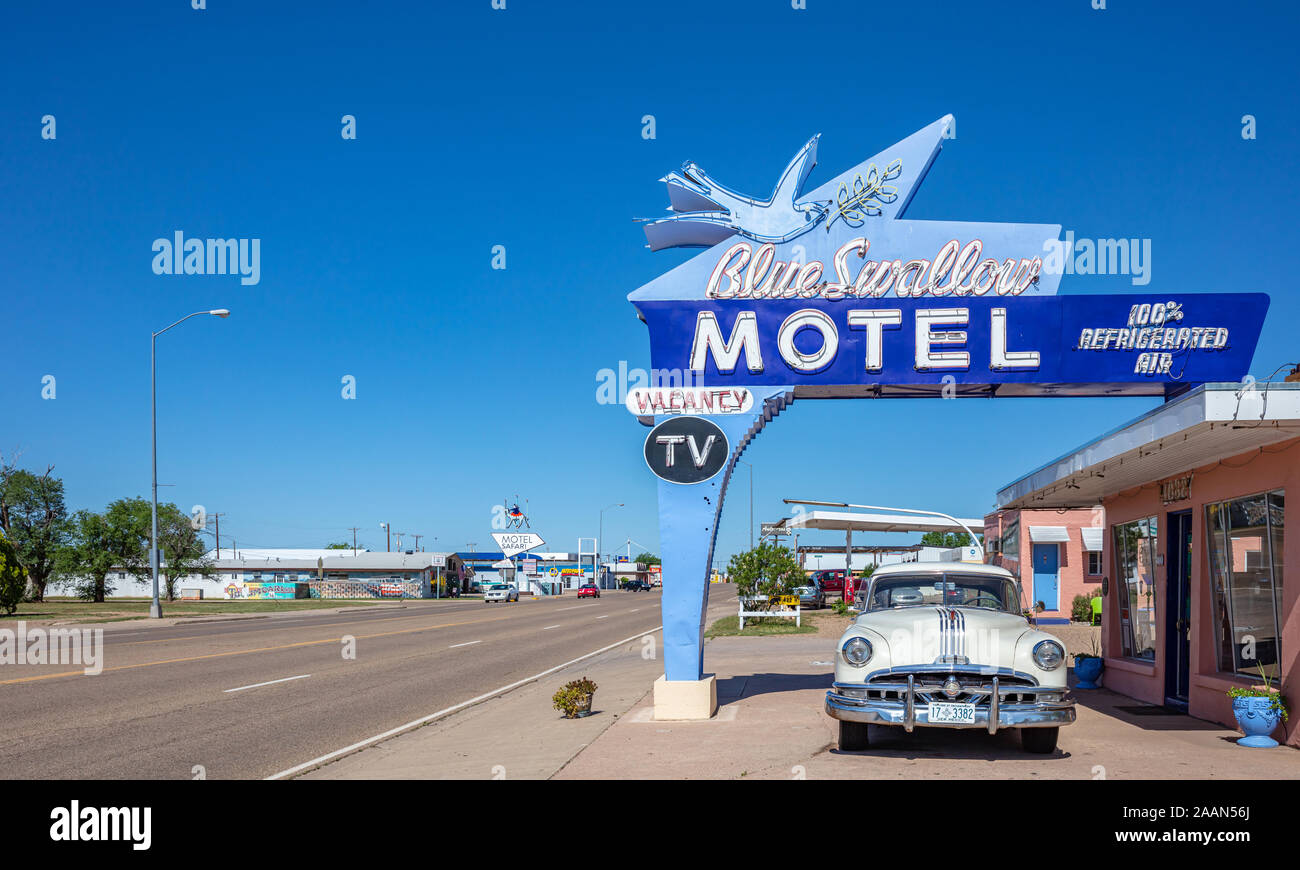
(1178,608)
(1047,564)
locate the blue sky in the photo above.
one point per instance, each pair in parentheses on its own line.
(522,128)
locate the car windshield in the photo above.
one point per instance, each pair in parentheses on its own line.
(496,587)
(953,590)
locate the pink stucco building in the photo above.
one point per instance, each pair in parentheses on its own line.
(1056,553)
(1197,598)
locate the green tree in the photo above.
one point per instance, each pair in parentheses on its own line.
(648,559)
(13,577)
(767,570)
(183,551)
(98,543)
(35,518)
(947,540)
(338,545)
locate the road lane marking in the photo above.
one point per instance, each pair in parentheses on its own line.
(467,643)
(269,683)
(424,720)
(606,616)
(549,627)
(634,610)
(240,652)
(574,607)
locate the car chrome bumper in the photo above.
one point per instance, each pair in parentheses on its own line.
(910,711)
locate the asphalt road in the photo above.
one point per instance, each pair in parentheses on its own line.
(163,704)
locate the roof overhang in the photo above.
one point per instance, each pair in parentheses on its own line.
(1211,422)
(850,521)
(1049,535)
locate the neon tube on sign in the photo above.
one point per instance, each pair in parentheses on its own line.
(956,270)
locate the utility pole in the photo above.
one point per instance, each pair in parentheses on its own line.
(388,546)
(354,539)
(217,519)
(417,543)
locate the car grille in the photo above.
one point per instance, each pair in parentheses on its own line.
(976,688)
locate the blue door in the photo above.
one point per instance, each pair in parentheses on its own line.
(1047,563)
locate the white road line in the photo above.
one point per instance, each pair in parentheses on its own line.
(549,627)
(269,683)
(574,607)
(393,732)
(606,616)
(469,643)
(634,610)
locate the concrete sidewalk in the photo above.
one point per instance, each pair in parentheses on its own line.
(771,725)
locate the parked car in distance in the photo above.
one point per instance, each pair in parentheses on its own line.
(589,591)
(828,581)
(981,666)
(635,586)
(500,592)
(811,596)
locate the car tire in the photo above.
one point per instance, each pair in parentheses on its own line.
(1040,741)
(854,736)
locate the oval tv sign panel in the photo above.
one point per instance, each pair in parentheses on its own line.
(686,450)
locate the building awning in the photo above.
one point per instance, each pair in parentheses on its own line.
(1049,534)
(1208,423)
(1092,540)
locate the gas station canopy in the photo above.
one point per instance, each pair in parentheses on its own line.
(852,521)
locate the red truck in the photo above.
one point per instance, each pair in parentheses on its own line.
(829,581)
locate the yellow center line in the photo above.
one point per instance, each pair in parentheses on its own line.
(240,652)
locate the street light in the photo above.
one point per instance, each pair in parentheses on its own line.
(751,502)
(601,537)
(388,545)
(155,608)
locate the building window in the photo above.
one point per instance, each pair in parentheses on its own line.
(1135,557)
(1094,562)
(1010,544)
(1244,537)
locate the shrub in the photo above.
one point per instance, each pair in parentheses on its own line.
(839,607)
(573,695)
(1081,609)
(13,577)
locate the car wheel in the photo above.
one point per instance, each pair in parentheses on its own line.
(853,736)
(1039,741)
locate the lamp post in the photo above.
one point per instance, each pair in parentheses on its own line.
(751,502)
(601,535)
(155,608)
(388,545)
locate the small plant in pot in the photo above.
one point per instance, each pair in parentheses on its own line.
(1088,667)
(574,698)
(1258,710)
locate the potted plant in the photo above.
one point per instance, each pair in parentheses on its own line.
(1088,667)
(574,698)
(1258,710)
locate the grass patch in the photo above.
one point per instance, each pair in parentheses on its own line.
(119,609)
(729,626)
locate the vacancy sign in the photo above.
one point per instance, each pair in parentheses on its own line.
(512,543)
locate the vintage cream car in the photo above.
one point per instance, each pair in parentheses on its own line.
(944,644)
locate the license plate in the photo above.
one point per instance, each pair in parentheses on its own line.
(952,714)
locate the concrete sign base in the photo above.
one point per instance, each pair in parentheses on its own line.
(686,699)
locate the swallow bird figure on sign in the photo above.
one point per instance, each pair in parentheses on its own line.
(708,212)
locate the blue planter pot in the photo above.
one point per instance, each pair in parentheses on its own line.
(1088,671)
(1256,720)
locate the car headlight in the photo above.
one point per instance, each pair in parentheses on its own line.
(856,651)
(1048,655)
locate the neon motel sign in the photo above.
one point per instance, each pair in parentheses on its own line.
(834,293)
